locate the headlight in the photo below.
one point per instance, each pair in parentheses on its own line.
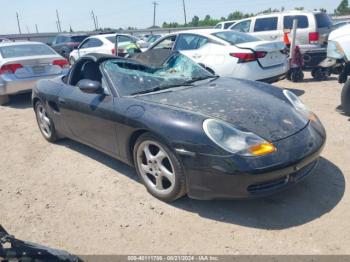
(299,106)
(236,141)
(334,50)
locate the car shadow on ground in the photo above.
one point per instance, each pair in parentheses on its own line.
(310,199)
(104,159)
(340,110)
(309,80)
(22,101)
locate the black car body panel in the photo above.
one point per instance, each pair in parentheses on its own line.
(248,107)
(112,123)
(26,251)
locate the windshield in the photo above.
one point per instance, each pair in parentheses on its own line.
(132,77)
(25,50)
(234,38)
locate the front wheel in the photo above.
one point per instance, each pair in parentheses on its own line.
(345,98)
(45,124)
(159,168)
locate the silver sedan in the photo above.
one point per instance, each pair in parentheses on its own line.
(24,63)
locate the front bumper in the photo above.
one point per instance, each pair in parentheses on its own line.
(12,86)
(210,177)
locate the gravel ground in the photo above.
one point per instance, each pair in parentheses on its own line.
(72,197)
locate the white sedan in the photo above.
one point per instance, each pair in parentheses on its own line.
(105,44)
(230,53)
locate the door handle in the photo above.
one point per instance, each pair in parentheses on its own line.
(274,36)
(196,56)
(61,101)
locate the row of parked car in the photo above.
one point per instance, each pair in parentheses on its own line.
(251,48)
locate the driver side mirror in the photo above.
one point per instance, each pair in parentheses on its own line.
(90,87)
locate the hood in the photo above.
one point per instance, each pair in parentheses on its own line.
(247,105)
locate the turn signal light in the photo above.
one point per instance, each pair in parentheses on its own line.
(10,68)
(262,149)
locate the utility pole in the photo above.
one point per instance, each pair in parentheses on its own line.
(36,27)
(19,26)
(154,13)
(97,25)
(184,6)
(58,22)
(94,18)
(28,29)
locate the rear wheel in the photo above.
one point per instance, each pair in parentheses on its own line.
(45,124)
(4,100)
(345,98)
(159,169)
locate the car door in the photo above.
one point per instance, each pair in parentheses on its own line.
(90,45)
(267,28)
(90,117)
(190,45)
(126,46)
(165,43)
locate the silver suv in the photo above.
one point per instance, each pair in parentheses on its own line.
(313,26)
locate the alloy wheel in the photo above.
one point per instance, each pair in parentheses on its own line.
(44,121)
(156,167)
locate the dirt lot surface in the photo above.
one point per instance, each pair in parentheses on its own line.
(69,196)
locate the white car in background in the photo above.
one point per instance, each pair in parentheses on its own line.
(225,24)
(231,54)
(105,44)
(102,44)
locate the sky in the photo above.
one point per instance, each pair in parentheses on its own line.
(124,13)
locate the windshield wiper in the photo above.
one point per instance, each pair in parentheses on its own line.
(160,87)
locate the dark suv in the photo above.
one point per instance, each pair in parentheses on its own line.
(64,44)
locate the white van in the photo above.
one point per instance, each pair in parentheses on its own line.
(313,26)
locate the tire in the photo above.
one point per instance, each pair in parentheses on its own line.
(345,98)
(320,74)
(46,125)
(159,169)
(297,76)
(4,100)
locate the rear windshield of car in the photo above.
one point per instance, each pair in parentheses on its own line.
(234,38)
(303,22)
(78,38)
(25,50)
(323,20)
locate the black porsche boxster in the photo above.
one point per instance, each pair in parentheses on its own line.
(185,130)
